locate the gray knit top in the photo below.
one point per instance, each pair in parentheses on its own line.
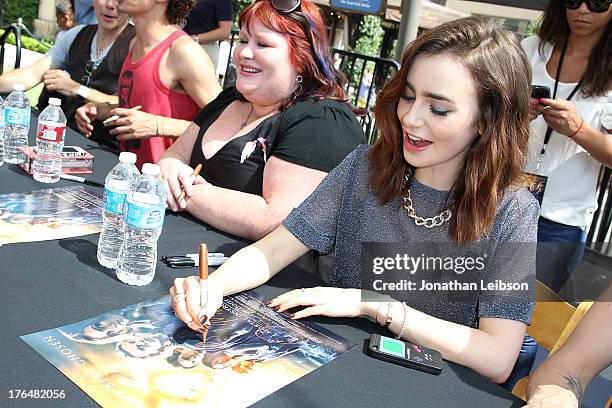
(343,213)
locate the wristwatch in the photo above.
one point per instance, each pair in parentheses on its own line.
(83,91)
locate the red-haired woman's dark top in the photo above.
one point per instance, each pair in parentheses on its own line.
(317,134)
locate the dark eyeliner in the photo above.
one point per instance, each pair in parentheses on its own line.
(438,112)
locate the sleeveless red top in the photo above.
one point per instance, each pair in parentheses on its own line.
(140,84)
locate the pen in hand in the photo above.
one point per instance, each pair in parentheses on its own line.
(195,174)
(203,268)
(204,285)
(116,117)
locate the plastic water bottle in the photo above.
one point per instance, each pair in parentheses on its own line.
(143,224)
(17,124)
(1,131)
(50,134)
(119,183)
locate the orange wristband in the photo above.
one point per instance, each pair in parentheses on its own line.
(577,130)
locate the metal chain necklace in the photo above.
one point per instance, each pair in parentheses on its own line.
(247,119)
(102,46)
(425,222)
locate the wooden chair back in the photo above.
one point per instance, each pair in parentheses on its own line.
(552,322)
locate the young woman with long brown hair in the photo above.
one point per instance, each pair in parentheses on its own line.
(454,131)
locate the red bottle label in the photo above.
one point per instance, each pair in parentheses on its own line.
(50,133)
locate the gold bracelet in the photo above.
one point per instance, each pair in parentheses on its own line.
(389,316)
(401,332)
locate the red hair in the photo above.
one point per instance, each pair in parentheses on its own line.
(309,51)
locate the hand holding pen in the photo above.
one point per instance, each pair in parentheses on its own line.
(133,123)
(110,121)
(197,298)
(179,179)
(196,173)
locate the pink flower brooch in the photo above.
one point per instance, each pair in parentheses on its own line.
(250,147)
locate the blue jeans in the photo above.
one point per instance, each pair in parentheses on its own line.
(524,362)
(560,249)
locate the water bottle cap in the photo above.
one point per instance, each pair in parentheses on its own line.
(18,87)
(127,157)
(55,101)
(150,169)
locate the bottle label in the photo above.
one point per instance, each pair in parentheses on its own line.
(140,215)
(50,133)
(17,116)
(114,202)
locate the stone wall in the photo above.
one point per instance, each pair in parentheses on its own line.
(45,25)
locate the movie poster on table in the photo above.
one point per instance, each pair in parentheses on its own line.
(55,213)
(143,355)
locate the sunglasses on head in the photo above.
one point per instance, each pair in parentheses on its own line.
(286,6)
(86,79)
(596,6)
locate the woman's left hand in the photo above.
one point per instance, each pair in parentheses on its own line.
(560,115)
(324,301)
(133,124)
(59,81)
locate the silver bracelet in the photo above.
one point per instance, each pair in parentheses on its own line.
(401,333)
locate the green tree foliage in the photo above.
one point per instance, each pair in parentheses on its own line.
(239,5)
(368,42)
(370,36)
(26,9)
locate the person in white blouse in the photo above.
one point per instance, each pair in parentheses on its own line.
(569,142)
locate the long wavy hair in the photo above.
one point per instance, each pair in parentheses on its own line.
(495,160)
(597,79)
(309,51)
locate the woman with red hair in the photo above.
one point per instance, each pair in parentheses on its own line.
(267,143)
(431,215)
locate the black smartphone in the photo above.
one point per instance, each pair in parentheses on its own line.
(405,354)
(540,91)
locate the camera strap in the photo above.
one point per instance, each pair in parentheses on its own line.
(549,130)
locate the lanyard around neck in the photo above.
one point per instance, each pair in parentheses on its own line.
(549,130)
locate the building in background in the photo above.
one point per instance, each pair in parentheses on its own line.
(516,19)
(342,24)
